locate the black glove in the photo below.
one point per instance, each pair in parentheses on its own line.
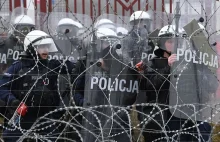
(80,66)
(12,107)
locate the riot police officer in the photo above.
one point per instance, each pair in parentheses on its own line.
(162,123)
(186,78)
(13,45)
(140,22)
(156,83)
(33,81)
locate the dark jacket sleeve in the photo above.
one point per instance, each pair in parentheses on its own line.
(68,67)
(6,81)
(62,67)
(155,76)
(74,69)
(159,76)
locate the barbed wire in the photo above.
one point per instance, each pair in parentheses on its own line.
(192,98)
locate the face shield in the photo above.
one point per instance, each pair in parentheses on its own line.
(169,43)
(45,44)
(108,44)
(141,24)
(22,30)
(68,29)
(41,49)
(107,25)
(140,29)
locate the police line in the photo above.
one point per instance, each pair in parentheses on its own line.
(11,54)
(188,55)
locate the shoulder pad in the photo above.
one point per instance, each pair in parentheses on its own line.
(7,74)
(16,62)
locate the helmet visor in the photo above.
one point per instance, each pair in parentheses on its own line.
(68,29)
(107,25)
(46,43)
(23,30)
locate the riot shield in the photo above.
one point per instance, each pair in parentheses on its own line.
(21,23)
(70,32)
(194,80)
(16,27)
(160,19)
(110,88)
(4,22)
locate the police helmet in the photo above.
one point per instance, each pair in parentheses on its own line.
(37,39)
(140,16)
(168,30)
(121,31)
(105,23)
(22,25)
(105,33)
(167,33)
(107,36)
(67,25)
(23,20)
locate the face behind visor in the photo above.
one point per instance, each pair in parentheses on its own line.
(140,20)
(22,25)
(22,30)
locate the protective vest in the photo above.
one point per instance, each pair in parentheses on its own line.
(33,85)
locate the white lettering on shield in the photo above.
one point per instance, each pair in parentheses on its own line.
(14,55)
(60,57)
(11,54)
(143,56)
(199,58)
(114,85)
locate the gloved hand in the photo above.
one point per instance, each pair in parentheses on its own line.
(12,106)
(140,67)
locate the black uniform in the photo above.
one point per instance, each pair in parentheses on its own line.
(35,84)
(156,86)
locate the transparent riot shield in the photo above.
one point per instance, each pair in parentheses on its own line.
(194,78)
(40,20)
(160,19)
(4,26)
(110,88)
(138,40)
(14,28)
(22,22)
(70,32)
